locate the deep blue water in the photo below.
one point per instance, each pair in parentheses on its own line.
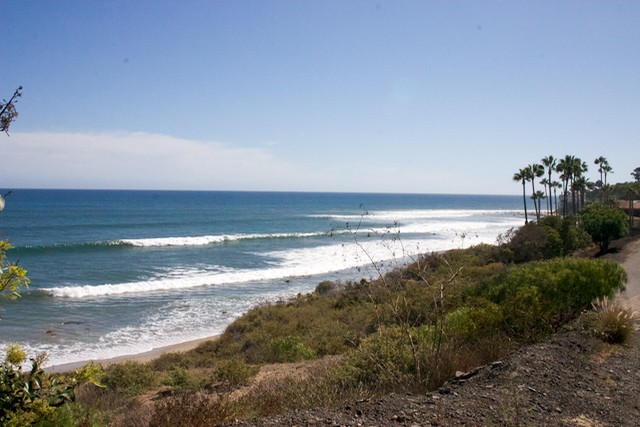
(122,272)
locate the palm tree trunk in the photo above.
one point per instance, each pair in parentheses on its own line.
(565,198)
(533,196)
(524,200)
(573,197)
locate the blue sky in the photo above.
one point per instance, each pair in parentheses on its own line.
(386,96)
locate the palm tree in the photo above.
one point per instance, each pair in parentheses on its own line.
(565,169)
(538,195)
(636,174)
(606,169)
(550,163)
(522,176)
(603,168)
(556,185)
(578,167)
(600,161)
(536,172)
(580,185)
(545,183)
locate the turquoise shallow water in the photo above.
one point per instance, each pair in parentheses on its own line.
(122,272)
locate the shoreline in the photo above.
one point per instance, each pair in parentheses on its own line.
(144,357)
(626,253)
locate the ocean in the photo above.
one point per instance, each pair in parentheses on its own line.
(117,273)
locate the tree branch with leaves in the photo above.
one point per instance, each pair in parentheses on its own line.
(8,112)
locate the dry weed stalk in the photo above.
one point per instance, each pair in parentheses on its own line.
(398,308)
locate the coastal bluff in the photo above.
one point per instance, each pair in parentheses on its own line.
(570,379)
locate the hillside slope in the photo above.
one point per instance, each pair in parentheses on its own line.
(571,379)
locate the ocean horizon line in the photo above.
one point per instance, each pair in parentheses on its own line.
(329,192)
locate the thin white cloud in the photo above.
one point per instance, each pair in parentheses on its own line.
(135,160)
(140,160)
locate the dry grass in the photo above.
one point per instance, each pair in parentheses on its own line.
(615,323)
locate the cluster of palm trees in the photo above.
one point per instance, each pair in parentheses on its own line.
(570,171)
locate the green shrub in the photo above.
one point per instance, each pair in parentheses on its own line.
(169,361)
(537,297)
(323,321)
(130,377)
(73,415)
(604,224)
(327,287)
(533,242)
(399,358)
(28,398)
(382,361)
(474,321)
(571,236)
(290,349)
(13,278)
(182,379)
(235,372)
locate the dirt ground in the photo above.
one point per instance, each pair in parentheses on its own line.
(572,379)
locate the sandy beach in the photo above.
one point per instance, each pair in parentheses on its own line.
(140,357)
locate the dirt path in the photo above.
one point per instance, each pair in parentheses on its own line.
(629,257)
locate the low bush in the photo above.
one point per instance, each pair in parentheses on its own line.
(477,319)
(130,377)
(537,297)
(290,349)
(327,287)
(260,336)
(572,236)
(234,372)
(534,242)
(27,398)
(169,361)
(183,379)
(398,358)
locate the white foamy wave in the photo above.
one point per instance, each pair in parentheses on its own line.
(288,264)
(458,227)
(176,322)
(366,248)
(207,240)
(415,215)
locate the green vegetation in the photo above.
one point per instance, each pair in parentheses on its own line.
(585,203)
(27,398)
(130,377)
(604,224)
(409,330)
(12,277)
